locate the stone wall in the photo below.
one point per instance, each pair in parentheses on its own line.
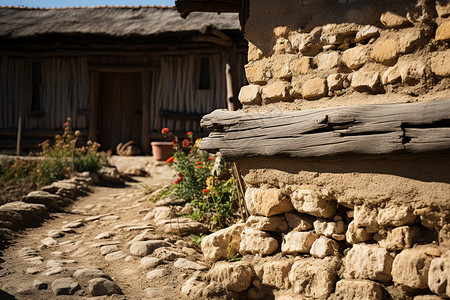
(341,228)
(338,229)
(308,54)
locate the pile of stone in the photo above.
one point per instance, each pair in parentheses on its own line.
(302,243)
(379,54)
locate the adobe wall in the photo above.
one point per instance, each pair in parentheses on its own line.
(308,54)
(343,228)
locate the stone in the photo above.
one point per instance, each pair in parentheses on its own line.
(55,234)
(104,235)
(314,88)
(33,270)
(363,81)
(356,57)
(274,273)
(182,226)
(328,60)
(266,202)
(41,197)
(439,276)
(306,43)
(108,249)
(257,242)
(49,241)
(281,66)
(410,268)
(73,225)
(222,243)
(299,222)
(366,216)
(354,289)
(443,32)
(235,277)
(390,19)
(440,64)
(254,53)
(160,213)
(157,273)
(168,253)
(323,247)
(393,215)
(319,203)
(282,46)
(32,214)
(115,255)
(313,278)
(256,72)
(281,32)
(183,263)
(11,216)
(327,228)
(365,261)
(443,8)
(103,286)
(338,33)
(385,52)
(154,294)
(355,235)
(150,262)
(298,242)
(398,238)
(192,288)
(335,81)
(40,285)
(276,223)
(250,95)
(145,236)
(302,65)
(65,286)
(54,271)
(83,276)
(411,39)
(391,75)
(427,297)
(276,91)
(367,32)
(144,248)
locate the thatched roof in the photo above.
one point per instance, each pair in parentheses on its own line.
(107,21)
(185,7)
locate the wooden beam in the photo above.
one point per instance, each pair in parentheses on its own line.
(212,39)
(93,101)
(362,130)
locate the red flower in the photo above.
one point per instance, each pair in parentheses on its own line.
(165,131)
(189,133)
(66,124)
(180,175)
(170,159)
(174,142)
(211,158)
(177,181)
(205,191)
(185,143)
(198,167)
(199,162)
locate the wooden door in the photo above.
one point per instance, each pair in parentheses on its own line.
(120,109)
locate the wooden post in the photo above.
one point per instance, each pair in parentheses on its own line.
(145,143)
(231,79)
(93,100)
(19,135)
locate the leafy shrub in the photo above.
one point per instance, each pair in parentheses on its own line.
(214,198)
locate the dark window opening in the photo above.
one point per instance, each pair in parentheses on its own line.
(37,79)
(204,74)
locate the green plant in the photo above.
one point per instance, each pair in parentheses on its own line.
(232,257)
(213,198)
(197,239)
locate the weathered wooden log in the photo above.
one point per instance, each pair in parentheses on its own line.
(361,130)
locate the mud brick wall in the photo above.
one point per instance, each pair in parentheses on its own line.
(303,51)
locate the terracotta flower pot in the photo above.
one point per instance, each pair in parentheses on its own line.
(162,150)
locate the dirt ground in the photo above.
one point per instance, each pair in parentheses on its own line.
(115,212)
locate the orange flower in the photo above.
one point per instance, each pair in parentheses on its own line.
(199,167)
(165,131)
(199,162)
(206,191)
(177,181)
(189,133)
(170,159)
(211,158)
(185,143)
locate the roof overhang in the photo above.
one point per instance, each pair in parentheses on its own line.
(185,7)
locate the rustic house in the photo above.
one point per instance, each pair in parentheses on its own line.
(120,73)
(343,144)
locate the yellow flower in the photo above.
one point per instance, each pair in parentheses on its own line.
(197,142)
(209,182)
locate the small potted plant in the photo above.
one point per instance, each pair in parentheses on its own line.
(163,150)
